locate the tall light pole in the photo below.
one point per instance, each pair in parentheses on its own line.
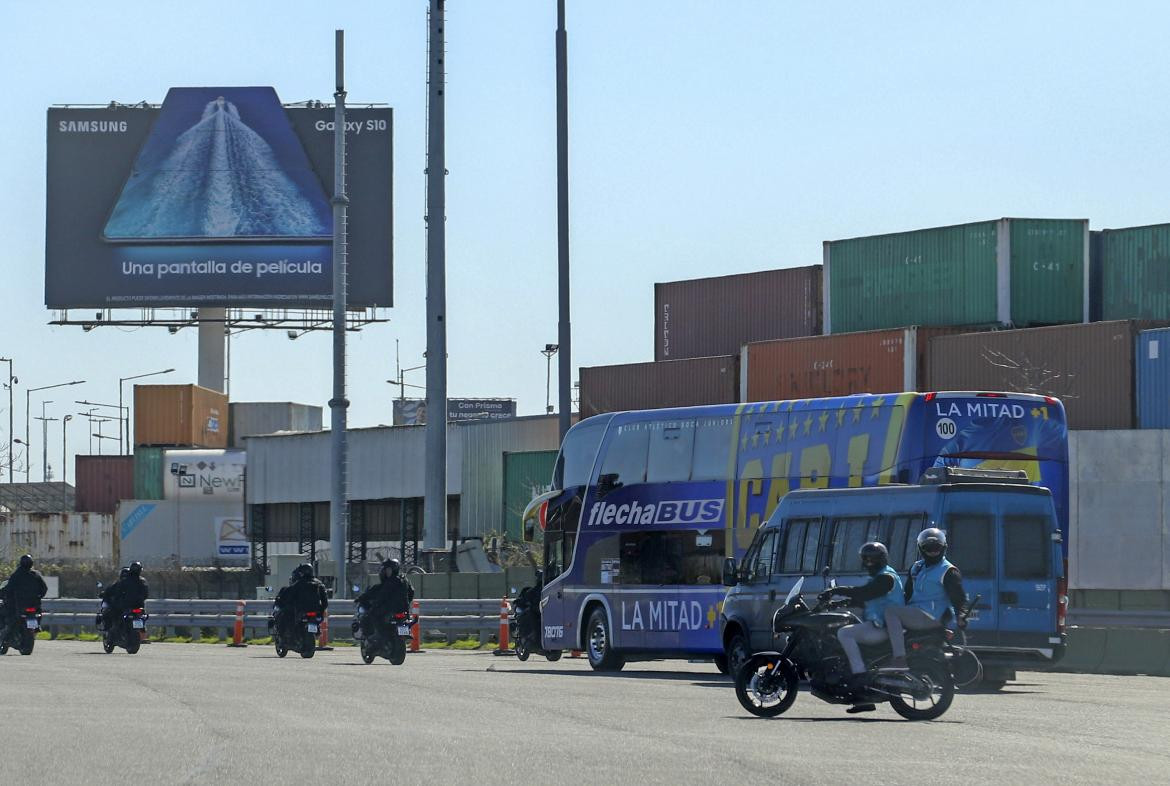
(564,331)
(44,418)
(548,352)
(11,384)
(123,416)
(65,447)
(338,404)
(27,420)
(126,425)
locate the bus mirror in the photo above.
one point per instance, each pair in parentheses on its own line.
(607,483)
(730,572)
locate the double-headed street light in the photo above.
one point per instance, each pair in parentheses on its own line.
(122,446)
(27,405)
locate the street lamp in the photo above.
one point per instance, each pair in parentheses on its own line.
(11,460)
(10,385)
(64,447)
(123,416)
(45,419)
(122,380)
(27,404)
(548,352)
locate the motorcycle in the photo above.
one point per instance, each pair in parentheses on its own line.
(524,627)
(126,632)
(391,644)
(768,682)
(21,631)
(303,639)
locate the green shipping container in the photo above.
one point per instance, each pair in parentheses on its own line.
(1014,271)
(1133,266)
(148,473)
(526,475)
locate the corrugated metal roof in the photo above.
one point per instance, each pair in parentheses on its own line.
(37,497)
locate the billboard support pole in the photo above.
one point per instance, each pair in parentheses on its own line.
(212,348)
(338,504)
(564,329)
(435,501)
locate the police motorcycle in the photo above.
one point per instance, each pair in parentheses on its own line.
(767,684)
(524,625)
(388,641)
(20,632)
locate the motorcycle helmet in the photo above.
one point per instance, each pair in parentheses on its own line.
(874,557)
(135,569)
(306,570)
(391,568)
(124,573)
(932,545)
(26,561)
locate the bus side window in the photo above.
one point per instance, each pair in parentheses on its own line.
(712,445)
(575,461)
(624,463)
(552,555)
(671,446)
(971,543)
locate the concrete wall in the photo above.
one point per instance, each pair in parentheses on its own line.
(1119,506)
(162,533)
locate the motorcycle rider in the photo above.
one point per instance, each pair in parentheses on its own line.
(392,595)
(527,608)
(304,593)
(105,615)
(130,592)
(883,590)
(24,589)
(933,588)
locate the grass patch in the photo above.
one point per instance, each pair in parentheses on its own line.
(460,644)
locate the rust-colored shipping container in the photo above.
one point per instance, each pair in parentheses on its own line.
(671,383)
(1088,367)
(180,416)
(705,317)
(875,361)
(101,481)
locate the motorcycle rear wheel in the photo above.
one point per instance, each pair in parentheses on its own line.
(27,640)
(553,655)
(397,651)
(942,693)
(133,642)
(763,694)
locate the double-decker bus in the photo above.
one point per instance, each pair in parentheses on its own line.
(645,505)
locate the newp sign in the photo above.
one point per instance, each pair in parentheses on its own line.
(220,197)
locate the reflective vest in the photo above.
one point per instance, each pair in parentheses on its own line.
(875,610)
(929,593)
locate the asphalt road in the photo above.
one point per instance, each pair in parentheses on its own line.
(204,713)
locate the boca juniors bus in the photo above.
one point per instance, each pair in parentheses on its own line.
(645,505)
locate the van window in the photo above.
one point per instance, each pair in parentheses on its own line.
(764,560)
(712,445)
(903,539)
(577,456)
(812,539)
(1027,547)
(971,543)
(793,545)
(849,535)
(671,445)
(625,455)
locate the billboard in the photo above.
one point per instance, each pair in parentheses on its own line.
(220,197)
(204,475)
(413,411)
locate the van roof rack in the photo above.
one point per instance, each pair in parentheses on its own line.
(962,475)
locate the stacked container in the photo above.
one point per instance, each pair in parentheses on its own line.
(101,481)
(1014,271)
(1131,273)
(180,416)
(716,316)
(671,383)
(254,418)
(1153,378)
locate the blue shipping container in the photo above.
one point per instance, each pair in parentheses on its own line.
(1153,378)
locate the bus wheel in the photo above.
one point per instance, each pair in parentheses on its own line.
(599,644)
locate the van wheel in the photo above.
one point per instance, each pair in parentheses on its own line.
(599,644)
(737,653)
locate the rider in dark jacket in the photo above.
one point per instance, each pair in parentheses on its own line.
(304,593)
(392,595)
(130,592)
(24,588)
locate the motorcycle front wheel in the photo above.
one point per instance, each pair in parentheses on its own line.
(281,650)
(521,650)
(367,653)
(932,696)
(108,643)
(763,692)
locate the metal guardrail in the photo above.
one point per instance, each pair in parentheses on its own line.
(450,618)
(1111,618)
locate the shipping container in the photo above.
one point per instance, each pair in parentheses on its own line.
(1153,378)
(526,475)
(716,316)
(875,361)
(1133,268)
(253,418)
(1014,271)
(58,537)
(148,473)
(180,416)
(1088,367)
(204,475)
(101,481)
(670,383)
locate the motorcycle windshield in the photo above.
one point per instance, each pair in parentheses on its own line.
(795,591)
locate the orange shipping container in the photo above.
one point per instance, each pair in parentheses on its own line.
(875,361)
(180,416)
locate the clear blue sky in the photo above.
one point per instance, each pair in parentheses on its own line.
(706,138)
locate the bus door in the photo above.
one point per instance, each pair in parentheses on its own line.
(555,633)
(970,526)
(1028,571)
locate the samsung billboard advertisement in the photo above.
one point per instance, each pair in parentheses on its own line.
(220,197)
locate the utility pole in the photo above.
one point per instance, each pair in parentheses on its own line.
(548,352)
(65,447)
(435,501)
(338,504)
(45,442)
(564,330)
(11,384)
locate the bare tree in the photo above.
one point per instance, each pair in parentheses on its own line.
(1028,376)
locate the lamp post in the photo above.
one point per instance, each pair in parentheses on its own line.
(22,443)
(64,447)
(123,416)
(45,419)
(11,384)
(126,426)
(27,404)
(548,352)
